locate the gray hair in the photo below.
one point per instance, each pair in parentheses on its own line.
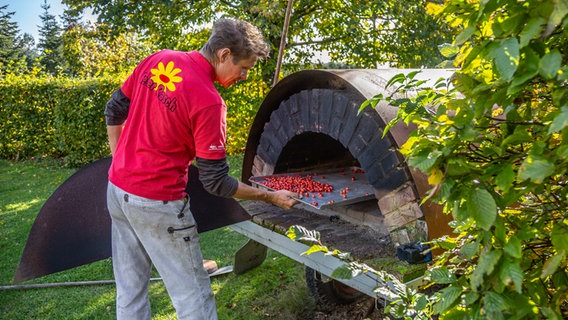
(242,38)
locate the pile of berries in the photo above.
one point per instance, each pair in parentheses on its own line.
(297,183)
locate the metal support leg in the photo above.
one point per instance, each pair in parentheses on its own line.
(250,256)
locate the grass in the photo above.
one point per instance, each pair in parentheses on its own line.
(275,290)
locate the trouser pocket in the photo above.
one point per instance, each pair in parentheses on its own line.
(185,225)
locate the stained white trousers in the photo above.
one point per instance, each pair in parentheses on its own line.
(146,231)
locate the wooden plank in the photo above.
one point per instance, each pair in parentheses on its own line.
(366,283)
(362,242)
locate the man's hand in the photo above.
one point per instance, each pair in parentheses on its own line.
(113,133)
(284,199)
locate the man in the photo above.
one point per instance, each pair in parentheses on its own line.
(165,115)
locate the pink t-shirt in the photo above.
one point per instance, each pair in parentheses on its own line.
(175,114)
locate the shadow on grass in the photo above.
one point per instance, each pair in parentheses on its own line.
(274,290)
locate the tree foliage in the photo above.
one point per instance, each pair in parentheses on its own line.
(10,44)
(494,144)
(50,42)
(30,53)
(90,52)
(354,33)
(359,33)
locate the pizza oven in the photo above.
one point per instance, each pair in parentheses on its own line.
(310,123)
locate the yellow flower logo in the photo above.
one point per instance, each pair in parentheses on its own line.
(166,76)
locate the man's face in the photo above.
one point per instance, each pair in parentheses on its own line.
(229,73)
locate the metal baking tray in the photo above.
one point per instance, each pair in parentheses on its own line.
(350,185)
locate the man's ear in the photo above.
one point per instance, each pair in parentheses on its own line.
(223,54)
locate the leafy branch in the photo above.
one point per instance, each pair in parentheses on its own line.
(494,146)
(404,301)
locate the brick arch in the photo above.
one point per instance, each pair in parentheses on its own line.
(327,116)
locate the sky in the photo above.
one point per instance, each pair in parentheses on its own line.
(27,14)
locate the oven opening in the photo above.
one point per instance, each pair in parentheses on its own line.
(318,152)
(313,151)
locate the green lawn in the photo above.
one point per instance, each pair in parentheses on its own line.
(275,290)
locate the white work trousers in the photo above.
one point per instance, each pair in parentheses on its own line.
(146,231)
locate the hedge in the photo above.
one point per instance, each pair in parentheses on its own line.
(63,118)
(54,117)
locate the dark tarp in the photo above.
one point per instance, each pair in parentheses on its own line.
(73,226)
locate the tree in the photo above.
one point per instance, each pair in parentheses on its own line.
(495,148)
(367,33)
(359,33)
(27,43)
(71,19)
(90,52)
(50,42)
(10,49)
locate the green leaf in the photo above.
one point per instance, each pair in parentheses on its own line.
(486,265)
(560,121)
(550,64)
(442,275)
(446,64)
(398,78)
(473,54)
(550,314)
(464,36)
(421,302)
(528,69)
(563,76)
(424,162)
(510,272)
(346,271)
(457,167)
(536,290)
(448,50)
(532,30)
(560,278)
(551,265)
(538,148)
(412,74)
(562,152)
(391,123)
(493,303)
(500,232)
(560,95)
(364,105)
(470,297)
(371,102)
(507,58)
(505,178)
(456,314)
(519,136)
(342,272)
(447,297)
(482,208)
(469,250)
(513,247)
(559,12)
(559,237)
(535,169)
(511,24)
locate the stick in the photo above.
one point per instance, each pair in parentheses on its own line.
(220,271)
(282,41)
